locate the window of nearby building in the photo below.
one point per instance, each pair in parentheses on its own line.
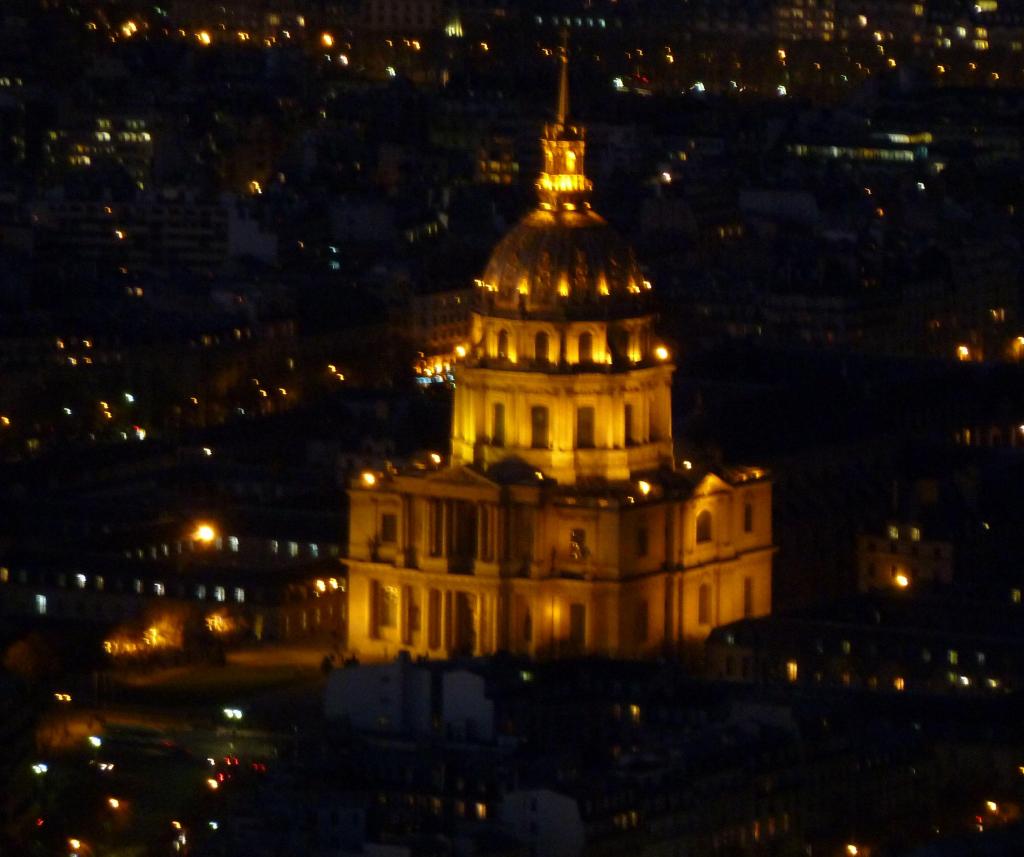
(274,546)
(314,550)
(953,657)
(577,626)
(540,348)
(293,548)
(704,604)
(387,606)
(389,528)
(585,427)
(436,519)
(137,585)
(498,427)
(158,589)
(1015,594)
(748,517)
(201,592)
(41,605)
(503,344)
(233,544)
(577,543)
(586,348)
(99,582)
(628,426)
(915,534)
(748,597)
(642,622)
(792,670)
(894,532)
(80,581)
(434,619)
(5,574)
(641,540)
(846,647)
(218,593)
(539,427)
(703,526)
(239,595)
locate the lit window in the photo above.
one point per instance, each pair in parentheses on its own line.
(915,534)
(274,546)
(389,528)
(314,550)
(158,588)
(201,592)
(41,605)
(239,595)
(894,532)
(99,583)
(218,593)
(898,683)
(704,604)
(80,581)
(792,670)
(233,544)
(846,647)
(293,548)
(5,574)
(954,658)
(1015,594)
(137,584)
(704,527)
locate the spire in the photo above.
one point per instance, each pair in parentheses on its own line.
(563,82)
(563,185)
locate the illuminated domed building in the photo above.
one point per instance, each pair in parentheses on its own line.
(562,524)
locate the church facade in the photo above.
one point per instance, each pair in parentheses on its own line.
(561,523)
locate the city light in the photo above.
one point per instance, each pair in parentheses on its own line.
(327,40)
(369,480)
(233,713)
(40,768)
(204,533)
(661,352)
(113,803)
(902,581)
(95,741)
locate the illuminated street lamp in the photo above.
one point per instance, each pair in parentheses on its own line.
(902,581)
(205,534)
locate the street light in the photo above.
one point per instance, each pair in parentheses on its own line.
(95,741)
(204,533)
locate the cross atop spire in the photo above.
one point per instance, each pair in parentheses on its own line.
(563,81)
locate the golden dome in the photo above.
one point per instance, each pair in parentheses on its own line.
(555,259)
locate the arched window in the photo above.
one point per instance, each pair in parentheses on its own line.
(704,527)
(539,427)
(540,348)
(586,348)
(503,344)
(704,604)
(570,162)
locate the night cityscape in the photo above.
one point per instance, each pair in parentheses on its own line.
(511,428)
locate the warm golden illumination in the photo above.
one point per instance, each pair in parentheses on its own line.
(327,40)
(204,533)
(321,586)
(204,37)
(113,802)
(369,480)
(852,850)
(661,352)
(792,670)
(645,487)
(435,458)
(460,350)
(902,581)
(963,352)
(991,806)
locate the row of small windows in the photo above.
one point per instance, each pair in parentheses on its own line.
(233,544)
(540,426)
(542,347)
